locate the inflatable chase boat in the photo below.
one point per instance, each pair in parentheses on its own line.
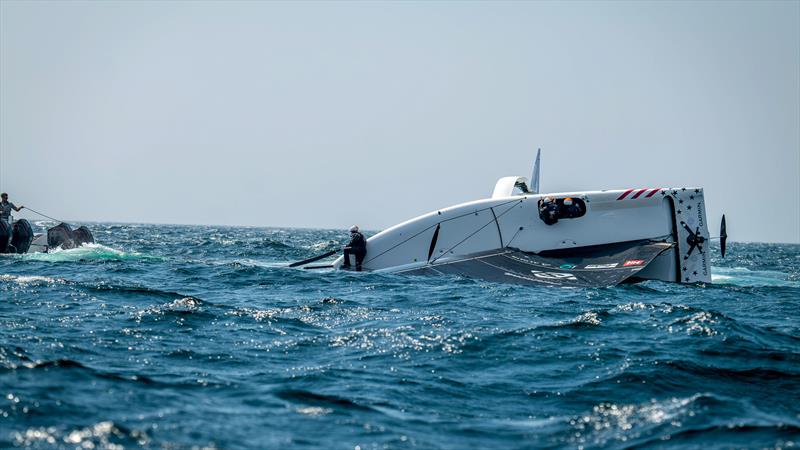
(18,237)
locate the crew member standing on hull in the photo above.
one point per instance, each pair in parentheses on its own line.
(6,207)
(356,247)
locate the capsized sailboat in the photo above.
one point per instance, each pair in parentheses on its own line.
(603,238)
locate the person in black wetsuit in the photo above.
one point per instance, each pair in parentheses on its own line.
(548,211)
(570,208)
(356,247)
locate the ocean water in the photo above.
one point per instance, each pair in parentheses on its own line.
(201,337)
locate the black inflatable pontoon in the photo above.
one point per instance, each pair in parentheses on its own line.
(19,237)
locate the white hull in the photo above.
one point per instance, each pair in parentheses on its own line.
(512,221)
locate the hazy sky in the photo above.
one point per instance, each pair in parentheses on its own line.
(327,114)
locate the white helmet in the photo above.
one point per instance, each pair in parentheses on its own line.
(354,229)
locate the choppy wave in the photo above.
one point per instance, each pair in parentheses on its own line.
(201,337)
(101,435)
(29,279)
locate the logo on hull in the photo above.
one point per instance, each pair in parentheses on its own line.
(633,262)
(602,266)
(554,275)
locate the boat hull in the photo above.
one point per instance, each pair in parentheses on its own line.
(648,216)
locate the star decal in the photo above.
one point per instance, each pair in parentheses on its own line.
(683,189)
(674,192)
(685,258)
(684,268)
(689,207)
(691,197)
(679,211)
(694,273)
(687,279)
(680,202)
(663,193)
(697,191)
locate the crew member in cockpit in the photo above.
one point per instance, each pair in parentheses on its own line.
(570,208)
(356,247)
(548,211)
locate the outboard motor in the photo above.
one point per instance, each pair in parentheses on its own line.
(82,236)
(60,235)
(22,236)
(5,236)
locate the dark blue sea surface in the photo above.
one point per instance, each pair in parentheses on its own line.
(197,336)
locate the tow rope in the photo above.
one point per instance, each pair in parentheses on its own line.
(43,215)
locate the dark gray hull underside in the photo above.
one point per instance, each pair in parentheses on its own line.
(598,266)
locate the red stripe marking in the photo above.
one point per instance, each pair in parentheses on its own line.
(652,193)
(636,195)
(624,194)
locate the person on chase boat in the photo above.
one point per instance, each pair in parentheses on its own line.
(6,207)
(356,247)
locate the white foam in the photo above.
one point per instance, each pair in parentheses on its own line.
(589,317)
(25,279)
(314,411)
(84,252)
(744,277)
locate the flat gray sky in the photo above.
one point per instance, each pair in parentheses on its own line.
(327,114)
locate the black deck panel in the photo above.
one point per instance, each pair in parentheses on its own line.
(596,266)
